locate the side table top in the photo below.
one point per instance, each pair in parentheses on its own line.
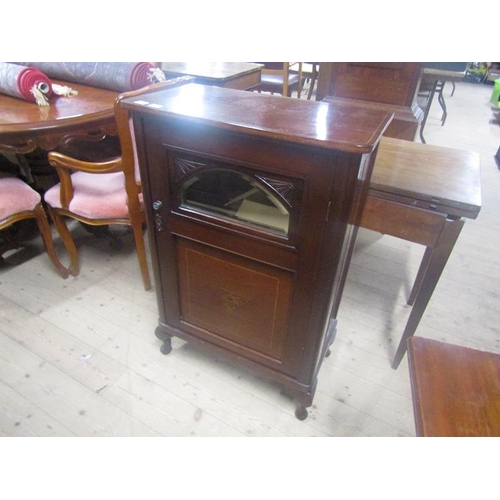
(456,390)
(448,179)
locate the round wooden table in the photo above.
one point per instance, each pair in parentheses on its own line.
(25,126)
(73,125)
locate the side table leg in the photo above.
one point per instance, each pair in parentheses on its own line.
(436,263)
(420,275)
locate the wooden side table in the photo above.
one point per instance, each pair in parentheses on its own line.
(456,390)
(423,194)
(233,75)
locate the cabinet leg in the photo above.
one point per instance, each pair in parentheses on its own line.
(166,347)
(301,412)
(303,401)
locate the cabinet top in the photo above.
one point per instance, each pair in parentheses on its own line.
(339,126)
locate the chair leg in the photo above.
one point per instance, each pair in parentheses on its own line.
(141,252)
(45,231)
(313,81)
(67,239)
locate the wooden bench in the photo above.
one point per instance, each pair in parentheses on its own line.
(456,390)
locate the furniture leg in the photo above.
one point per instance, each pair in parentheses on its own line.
(166,347)
(304,400)
(67,239)
(437,262)
(299,88)
(420,275)
(44,227)
(427,109)
(442,102)
(141,254)
(301,412)
(314,77)
(24,167)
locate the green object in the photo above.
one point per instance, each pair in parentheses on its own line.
(495,96)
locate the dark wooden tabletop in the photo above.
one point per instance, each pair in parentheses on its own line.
(456,390)
(211,70)
(25,124)
(18,114)
(334,126)
(433,74)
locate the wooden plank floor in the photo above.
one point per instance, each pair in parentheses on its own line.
(79,357)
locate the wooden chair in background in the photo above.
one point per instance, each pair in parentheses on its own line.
(281,78)
(310,72)
(103,193)
(388,86)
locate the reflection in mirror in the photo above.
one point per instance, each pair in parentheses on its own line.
(237,196)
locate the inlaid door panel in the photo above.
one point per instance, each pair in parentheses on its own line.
(234,298)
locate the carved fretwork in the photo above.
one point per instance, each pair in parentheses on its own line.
(284,189)
(186,166)
(20,148)
(91,136)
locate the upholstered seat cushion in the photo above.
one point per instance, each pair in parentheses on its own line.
(15,196)
(95,196)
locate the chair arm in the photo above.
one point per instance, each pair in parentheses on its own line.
(65,165)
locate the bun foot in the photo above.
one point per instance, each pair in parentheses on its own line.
(301,413)
(166,347)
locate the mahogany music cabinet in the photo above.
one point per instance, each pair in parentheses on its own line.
(252,205)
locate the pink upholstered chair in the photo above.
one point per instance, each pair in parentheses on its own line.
(19,201)
(103,193)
